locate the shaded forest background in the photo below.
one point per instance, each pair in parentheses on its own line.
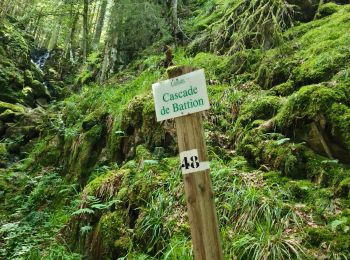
(86,172)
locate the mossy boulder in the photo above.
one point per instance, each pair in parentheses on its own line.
(276,67)
(344,187)
(111,237)
(139,125)
(258,108)
(10,112)
(107,185)
(273,151)
(40,90)
(82,153)
(337,242)
(20,79)
(300,189)
(14,43)
(327,9)
(315,53)
(96,117)
(12,107)
(319,115)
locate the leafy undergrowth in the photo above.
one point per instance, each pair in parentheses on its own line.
(138,211)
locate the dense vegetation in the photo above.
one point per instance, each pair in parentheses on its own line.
(85,170)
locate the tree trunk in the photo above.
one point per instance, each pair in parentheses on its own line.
(174,21)
(85,29)
(105,63)
(70,41)
(174,17)
(100,22)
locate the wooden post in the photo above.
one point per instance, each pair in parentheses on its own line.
(198,186)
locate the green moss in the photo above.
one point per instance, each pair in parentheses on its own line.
(142,153)
(276,67)
(339,119)
(153,133)
(113,234)
(94,118)
(284,89)
(300,189)
(273,151)
(106,185)
(308,103)
(318,235)
(225,68)
(327,9)
(315,53)
(140,125)
(3,150)
(39,89)
(344,187)
(335,241)
(324,171)
(7,106)
(323,49)
(83,153)
(274,177)
(260,107)
(122,194)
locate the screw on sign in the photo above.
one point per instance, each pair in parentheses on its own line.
(183,96)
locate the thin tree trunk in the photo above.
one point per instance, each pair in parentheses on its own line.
(70,41)
(105,63)
(93,15)
(100,22)
(85,29)
(174,15)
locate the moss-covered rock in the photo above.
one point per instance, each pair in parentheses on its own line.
(344,187)
(111,237)
(8,106)
(107,185)
(327,9)
(337,242)
(273,151)
(321,113)
(258,108)
(139,124)
(300,189)
(82,153)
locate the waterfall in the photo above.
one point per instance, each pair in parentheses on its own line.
(40,57)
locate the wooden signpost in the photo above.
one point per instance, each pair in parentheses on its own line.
(182,97)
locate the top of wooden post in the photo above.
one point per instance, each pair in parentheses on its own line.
(175,71)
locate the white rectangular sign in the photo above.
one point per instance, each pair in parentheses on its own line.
(190,162)
(180,96)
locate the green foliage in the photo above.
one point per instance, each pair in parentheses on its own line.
(40,215)
(269,242)
(152,228)
(253,25)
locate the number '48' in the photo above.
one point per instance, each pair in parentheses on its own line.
(194,163)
